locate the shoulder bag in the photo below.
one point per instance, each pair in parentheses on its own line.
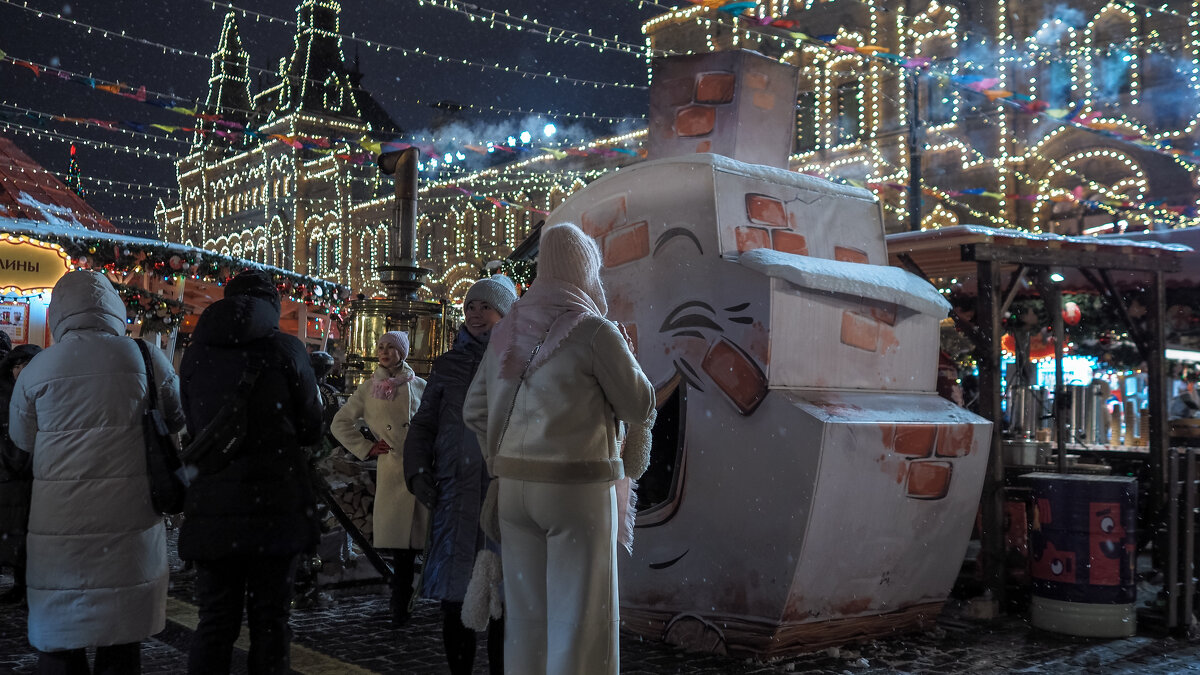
(219,441)
(163,467)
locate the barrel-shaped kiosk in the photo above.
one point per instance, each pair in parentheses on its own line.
(1082,554)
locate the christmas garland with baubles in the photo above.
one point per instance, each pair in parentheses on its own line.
(158,313)
(1092,324)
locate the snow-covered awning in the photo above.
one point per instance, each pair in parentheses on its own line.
(877,282)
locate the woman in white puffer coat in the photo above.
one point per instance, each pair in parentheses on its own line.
(97,550)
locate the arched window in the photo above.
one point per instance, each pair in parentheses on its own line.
(808,123)
(1114,55)
(848,110)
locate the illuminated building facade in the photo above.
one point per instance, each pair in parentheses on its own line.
(257,196)
(1125,69)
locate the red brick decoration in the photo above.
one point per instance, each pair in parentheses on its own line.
(757,80)
(789,242)
(627,244)
(764,210)
(750,238)
(847,254)
(603,217)
(860,331)
(915,440)
(695,120)
(736,374)
(929,480)
(956,440)
(704,146)
(715,87)
(885,313)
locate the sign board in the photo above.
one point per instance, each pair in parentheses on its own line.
(14,320)
(29,266)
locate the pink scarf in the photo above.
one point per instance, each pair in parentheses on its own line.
(545,315)
(384,386)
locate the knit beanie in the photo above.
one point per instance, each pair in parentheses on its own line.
(396,339)
(255,283)
(567,254)
(497,291)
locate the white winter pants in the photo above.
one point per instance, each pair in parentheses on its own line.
(558,547)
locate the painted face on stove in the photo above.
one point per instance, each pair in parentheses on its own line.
(689,311)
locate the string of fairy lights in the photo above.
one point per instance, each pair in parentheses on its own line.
(372,182)
(116,125)
(282,20)
(373,44)
(564,36)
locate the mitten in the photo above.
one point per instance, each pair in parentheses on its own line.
(380,448)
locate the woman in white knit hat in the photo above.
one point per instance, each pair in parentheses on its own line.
(444,469)
(386,403)
(556,376)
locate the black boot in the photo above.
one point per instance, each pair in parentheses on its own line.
(403,561)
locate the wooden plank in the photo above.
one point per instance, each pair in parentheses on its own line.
(1108,259)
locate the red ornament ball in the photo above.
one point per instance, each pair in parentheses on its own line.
(1071,314)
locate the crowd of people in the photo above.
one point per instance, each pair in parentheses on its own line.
(510,451)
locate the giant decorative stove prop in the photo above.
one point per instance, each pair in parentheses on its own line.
(807,485)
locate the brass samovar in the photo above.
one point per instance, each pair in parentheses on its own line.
(402,278)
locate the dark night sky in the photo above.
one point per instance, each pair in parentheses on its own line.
(397,81)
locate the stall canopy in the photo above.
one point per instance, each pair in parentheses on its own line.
(166,285)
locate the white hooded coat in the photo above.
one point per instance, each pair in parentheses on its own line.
(97,567)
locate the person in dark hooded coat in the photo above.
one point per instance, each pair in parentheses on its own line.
(444,468)
(246,524)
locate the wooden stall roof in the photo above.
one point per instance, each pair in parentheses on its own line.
(953,251)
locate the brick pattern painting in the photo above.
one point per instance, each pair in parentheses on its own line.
(928,451)
(621,242)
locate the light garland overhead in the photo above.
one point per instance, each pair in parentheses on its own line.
(378,46)
(524,23)
(441,58)
(31,132)
(320,144)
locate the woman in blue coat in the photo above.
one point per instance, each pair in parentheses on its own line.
(444,469)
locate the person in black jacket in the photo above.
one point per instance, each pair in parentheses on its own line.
(444,468)
(16,478)
(246,523)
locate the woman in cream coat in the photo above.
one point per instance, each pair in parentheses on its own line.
(544,403)
(386,403)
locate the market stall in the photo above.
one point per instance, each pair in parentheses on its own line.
(165,286)
(994,268)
